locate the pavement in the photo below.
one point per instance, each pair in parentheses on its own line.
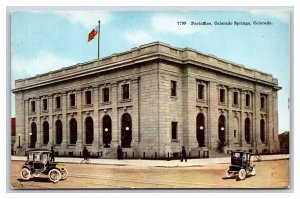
(156,163)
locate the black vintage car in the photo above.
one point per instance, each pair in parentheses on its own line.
(38,162)
(241,165)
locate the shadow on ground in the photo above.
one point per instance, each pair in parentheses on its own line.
(39,179)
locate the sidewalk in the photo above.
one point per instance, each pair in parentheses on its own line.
(156,163)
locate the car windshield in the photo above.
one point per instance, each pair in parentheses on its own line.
(37,157)
(236,155)
(30,157)
(45,157)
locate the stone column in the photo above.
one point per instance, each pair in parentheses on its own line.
(38,124)
(257,144)
(96,103)
(272,120)
(79,142)
(213,115)
(51,125)
(135,112)
(114,116)
(230,133)
(20,123)
(65,125)
(275,133)
(26,119)
(242,121)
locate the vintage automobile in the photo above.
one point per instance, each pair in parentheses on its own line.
(241,165)
(38,162)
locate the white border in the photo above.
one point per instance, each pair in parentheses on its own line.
(294,106)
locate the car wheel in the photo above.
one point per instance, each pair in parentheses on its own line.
(54,175)
(228,173)
(25,174)
(242,174)
(64,174)
(253,172)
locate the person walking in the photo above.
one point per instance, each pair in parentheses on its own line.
(85,153)
(183,154)
(119,152)
(52,155)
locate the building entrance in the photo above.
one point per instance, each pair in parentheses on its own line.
(126,131)
(222,129)
(200,130)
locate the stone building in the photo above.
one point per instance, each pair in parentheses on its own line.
(150,100)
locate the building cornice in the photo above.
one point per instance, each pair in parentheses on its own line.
(146,53)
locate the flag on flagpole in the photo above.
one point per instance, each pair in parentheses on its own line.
(93,34)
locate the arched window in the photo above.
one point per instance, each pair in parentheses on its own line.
(200,130)
(73,131)
(33,135)
(126,131)
(45,132)
(106,124)
(222,128)
(58,128)
(247,130)
(89,130)
(262,131)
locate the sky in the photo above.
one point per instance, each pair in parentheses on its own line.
(43,41)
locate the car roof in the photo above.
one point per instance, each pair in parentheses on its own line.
(40,150)
(240,152)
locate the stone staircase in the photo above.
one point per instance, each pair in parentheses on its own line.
(109,153)
(213,153)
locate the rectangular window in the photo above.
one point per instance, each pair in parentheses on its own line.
(32,106)
(72,99)
(200,91)
(57,102)
(88,97)
(173,88)
(45,104)
(222,95)
(105,92)
(125,91)
(235,98)
(262,102)
(234,133)
(247,100)
(174,130)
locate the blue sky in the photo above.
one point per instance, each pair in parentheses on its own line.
(43,41)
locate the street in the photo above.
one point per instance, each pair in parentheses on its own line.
(269,174)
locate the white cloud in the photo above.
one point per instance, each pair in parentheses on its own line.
(168,23)
(42,62)
(283,16)
(137,37)
(88,19)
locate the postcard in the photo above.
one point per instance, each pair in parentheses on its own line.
(150,99)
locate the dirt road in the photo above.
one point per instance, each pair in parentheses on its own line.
(269,174)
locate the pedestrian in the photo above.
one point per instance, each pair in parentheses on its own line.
(52,154)
(183,154)
(119,152)
(85,153)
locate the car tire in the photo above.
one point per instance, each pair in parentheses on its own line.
(64,174)
(229,174)
(25,174)
(253,172)
(242,174)
(54,175)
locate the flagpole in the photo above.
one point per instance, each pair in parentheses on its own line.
(99,40)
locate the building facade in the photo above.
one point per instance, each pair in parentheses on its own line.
(150,100)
